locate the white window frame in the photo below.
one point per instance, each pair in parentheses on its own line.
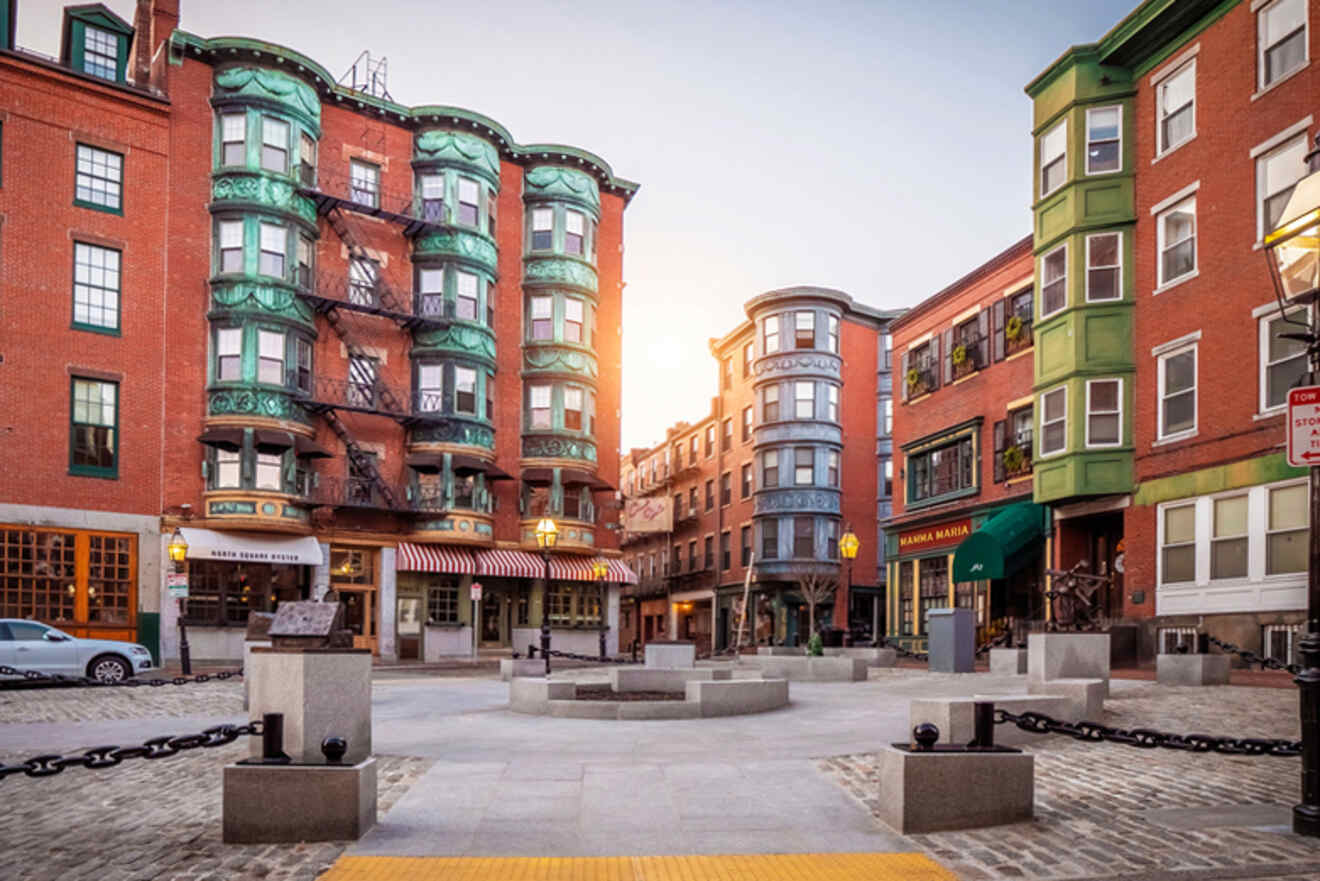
(224,336)
(228,469)
(770,331)
(1096,445)
(465,376)
(1040,296)
(798,400)
(1264,317)
(1041,453)
(1160,545)
(467,286)
(1161,245)
(271,230)
(469,187)
(1161,148)
(1261,48)
(1269,531)
(1237,536)
(1107,107)
(268,472)
(1118,266)
(535,392)
(226,140)
(267,124)
(832,333)
(1063,157)
(1160,393)
(832,402)
(1300,139)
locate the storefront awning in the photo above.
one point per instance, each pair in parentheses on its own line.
(1004,540)
(621,572)
(209,544)
(509,564)
(572,569)
(435,558)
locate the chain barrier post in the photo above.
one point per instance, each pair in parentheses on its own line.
(983,720)
(272,740)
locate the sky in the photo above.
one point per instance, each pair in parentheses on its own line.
(882,148)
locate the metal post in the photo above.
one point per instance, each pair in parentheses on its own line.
(1306,816)
(185,652)
(603,619)
(847,607)
(983,722)
(545,612)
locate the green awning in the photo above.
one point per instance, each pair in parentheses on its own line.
(993,550)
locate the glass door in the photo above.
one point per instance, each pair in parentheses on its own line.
(409,628)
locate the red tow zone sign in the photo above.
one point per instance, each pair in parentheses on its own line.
(1304,426)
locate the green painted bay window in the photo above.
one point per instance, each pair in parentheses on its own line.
(563,230)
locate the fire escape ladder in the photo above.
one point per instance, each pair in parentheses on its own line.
(385,294)
(388,401)
(363,464)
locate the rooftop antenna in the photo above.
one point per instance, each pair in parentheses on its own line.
(368,75)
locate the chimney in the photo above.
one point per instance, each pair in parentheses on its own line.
(142,43)
(164,19)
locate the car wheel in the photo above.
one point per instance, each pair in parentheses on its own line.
(108,668)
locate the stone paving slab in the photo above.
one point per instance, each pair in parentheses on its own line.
(58,704)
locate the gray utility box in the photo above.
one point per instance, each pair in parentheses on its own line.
(952,643)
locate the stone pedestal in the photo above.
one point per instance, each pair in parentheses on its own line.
(1008,662)
(1068,656)
(952,643)
(321,692)
(874,657)
(1176,669)
(511,667)
(288,803)
(1087,696)
(937,792)
(955,716)
(671,655)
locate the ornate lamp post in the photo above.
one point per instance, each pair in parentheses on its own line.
(547,533)
(1293,250)
(178,554)
(848,545)
(601,570)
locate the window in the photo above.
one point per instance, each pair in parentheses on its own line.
(710,495)
(465,390)
(1282,41)
(1054,421)
(745,545)
(231,245)
(490,397)
(1177,384)
(692,500)
(888,478)
(1282,361)
(1104,140)
(573,320)
(465,300)
(710,440)
(306,259)
(1287,536)
(832,468)
(709,558)
(694,449)
(941,471)
(94,445)
(770,334)
(804,330)
(573,409)
(692,555)
(726,488)
(96,286)
(804,400)
(726,373)
(1277,173)
(364,183)
(833,332)
(491,202)
(98,179)
(274,241)
(270,468)
(229,354)
(769,539)
(804,470)
(433,197)
(574,233)
(832,403)
(539,398)
(770,403)
(1104,412)
(100,53)
(303,368)
(1176,229)
(746,481)
(886,416)
(270,357)
(804,537)
(933,587)
(749,354)
(1104,267)
(832,539)
(362,373)
(1228,541)
(490,305)
(1053,158)
(726,434)
(228,469)
(430,387)
(363,275)
(770,468)
(1176,111)
(543,323)
(431,291)
(469,202)
(274,145)
(724,550)
(905,585)
(1054,281)
(307,158)
(543,229)
(746,424)
(442,604)
(233,139)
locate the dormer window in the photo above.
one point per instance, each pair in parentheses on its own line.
(100,53)
(95,42)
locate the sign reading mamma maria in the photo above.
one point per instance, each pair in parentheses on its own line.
(934,536)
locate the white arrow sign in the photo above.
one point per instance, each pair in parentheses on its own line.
(1304,426)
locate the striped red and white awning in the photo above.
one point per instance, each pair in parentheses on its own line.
(435,558)
(621,572)
(509,564)
(567,568)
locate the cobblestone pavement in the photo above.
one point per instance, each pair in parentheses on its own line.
(57,704)
(154,820)
(1113,811)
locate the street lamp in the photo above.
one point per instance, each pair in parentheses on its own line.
(547,533)
(178,554)
(848,545)
(1293,251)
(601,569)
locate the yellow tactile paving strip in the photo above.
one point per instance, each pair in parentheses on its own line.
(736,867)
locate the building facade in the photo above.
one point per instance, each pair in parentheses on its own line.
(965,531)
(765,484)
(1164,152)
(366,350)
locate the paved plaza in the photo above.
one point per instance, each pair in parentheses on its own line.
(463,780)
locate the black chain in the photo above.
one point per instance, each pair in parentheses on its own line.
(1249,657)
(906,652)
(1001,639)
(85,682)
(1146,738)
(109,756)
(574,656)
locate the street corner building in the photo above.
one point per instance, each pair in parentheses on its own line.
(331,342)
(732,515)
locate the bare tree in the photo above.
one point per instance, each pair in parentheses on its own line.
(815,589)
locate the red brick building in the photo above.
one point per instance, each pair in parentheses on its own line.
(341,343)
(964,531)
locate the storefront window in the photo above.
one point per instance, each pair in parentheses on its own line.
(941,471)
(442,604)
(221,594)
(905,585)
(560,600)
(350,566)
(934,587)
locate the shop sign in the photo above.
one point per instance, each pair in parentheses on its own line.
(648,515)
(934,536)
(177,583)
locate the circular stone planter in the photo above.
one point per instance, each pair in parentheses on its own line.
(706,693)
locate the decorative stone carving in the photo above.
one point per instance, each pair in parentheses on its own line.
(793,430)
(255,402)
(556,359)
(458,243)
(816,364)
(454,431)
(264,299)
(559,271)
(544,447)
(271,85)
(474,340)
(460,147)
(781,501)
(269,192)
(555,180)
